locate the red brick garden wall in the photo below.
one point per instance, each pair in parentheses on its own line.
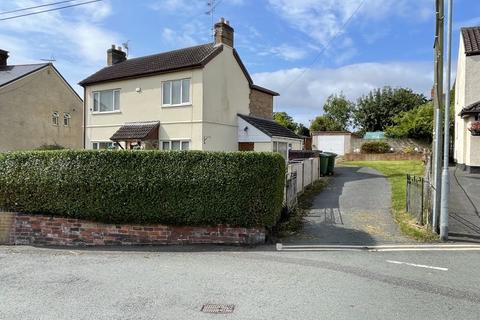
(55,231)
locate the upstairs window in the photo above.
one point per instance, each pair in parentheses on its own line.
(176,92)
(66,119)
(106,101)
(55,118)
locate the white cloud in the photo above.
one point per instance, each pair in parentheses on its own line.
(321,20)
(188,35)
(75,37)
(305,97)
(286,52)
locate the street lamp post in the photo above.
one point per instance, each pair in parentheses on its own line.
(446,142)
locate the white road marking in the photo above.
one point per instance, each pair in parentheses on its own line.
(379,248)
(417,265)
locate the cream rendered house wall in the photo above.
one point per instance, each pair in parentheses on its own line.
(181,122)
(467,91)
(26,108)
(226,93)
(460,130)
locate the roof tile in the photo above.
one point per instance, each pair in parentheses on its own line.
(192,57)
(269,127)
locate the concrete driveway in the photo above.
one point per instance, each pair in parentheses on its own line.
(353,209)
(464,218)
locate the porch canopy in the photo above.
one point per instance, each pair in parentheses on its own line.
(135,132)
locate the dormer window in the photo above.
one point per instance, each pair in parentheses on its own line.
(66,119)
(176,92)
(55,118)
(106,101)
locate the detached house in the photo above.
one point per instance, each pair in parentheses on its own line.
(37,107)
(200,98)
(467,101)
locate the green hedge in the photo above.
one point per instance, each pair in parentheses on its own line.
(375,147)
(175,188)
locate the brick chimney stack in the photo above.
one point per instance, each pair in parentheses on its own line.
(223,33)
(3,58)
(115,55)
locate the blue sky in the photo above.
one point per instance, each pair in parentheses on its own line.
(282,42)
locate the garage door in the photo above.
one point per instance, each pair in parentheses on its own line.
(332,143)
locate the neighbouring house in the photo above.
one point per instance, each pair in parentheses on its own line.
(339,142)
(199,98)
(37,107)
(467,101)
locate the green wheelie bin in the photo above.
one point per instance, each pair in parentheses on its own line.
(331,162)
(323,164)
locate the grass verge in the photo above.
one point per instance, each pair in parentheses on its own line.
(305,201)
(396,172)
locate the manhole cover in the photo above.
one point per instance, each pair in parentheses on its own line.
(217,308)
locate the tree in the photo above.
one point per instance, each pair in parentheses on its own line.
(285,120)
(376,110)
(302,130)
(324,123)
(339,109)
(416,123)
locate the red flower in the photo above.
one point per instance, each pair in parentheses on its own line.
(475,127)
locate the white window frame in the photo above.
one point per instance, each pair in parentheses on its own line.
(175,140)
(181,93)
(55,118)
(275,148)
(98,145)
(68,117)
(113,101)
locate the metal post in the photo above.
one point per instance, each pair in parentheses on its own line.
(446,140)
(437,101)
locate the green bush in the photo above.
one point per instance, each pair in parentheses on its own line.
(175,188)
(375,147)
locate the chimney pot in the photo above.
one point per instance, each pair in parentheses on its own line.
(115,55)
(223,33)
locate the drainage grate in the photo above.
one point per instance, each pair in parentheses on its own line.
(217,308)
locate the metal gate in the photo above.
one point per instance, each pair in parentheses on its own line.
(418,198)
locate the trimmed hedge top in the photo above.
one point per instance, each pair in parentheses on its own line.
(175,187)
(375,147)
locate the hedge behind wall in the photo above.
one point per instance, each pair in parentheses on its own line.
(175,188)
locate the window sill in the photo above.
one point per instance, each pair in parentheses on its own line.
(106,112)
(176,105)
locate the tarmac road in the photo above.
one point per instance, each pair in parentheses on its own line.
(174,283)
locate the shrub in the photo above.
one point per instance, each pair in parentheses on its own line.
(175,188)
(375,147)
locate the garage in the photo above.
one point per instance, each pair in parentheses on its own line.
(339,142)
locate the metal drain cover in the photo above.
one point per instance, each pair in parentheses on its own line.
(217,308)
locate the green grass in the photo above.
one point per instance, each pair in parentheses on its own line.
(396,172)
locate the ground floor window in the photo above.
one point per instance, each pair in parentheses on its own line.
(176,145)
(281,147)
(103,145)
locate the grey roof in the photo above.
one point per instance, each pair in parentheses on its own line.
(471,40)
(15,72)
(270,127)
(187,58)
(470,109)
(135,130)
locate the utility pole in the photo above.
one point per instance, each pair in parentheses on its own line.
(446,141)
(437,104)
